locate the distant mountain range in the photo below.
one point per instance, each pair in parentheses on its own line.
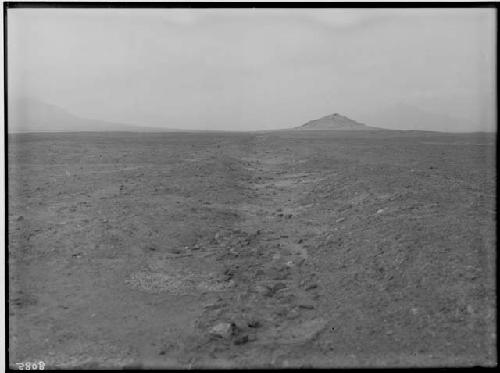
(31,115)
(403,116)
(335,122)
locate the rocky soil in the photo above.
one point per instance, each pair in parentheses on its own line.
(252,250)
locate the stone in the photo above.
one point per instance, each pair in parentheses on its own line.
(281,311)
(300,262)
(213,306)
(278,286)
(254,323)
(222,330)
(241,340)
(303,332)
(286,297)
(259,272)
(228,274)
(264,290)
(280,274)
(311,286)
(306,306)
(293,314)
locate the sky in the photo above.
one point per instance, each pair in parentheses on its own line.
(253,69)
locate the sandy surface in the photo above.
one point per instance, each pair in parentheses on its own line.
(284,249)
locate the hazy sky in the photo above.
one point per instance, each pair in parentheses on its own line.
(253,69)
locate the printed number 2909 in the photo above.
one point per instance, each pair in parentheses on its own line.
(31,366)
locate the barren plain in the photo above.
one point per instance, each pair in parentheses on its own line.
(252,250)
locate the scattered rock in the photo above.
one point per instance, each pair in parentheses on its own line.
(213,306)
(280,274)
(310,287)
(254,323)
(306,306)
(304,332)
(229,274)
(282,311)
(259,273)
(264,290)
(278,286)
(299,262)
(292,314)
(223,330)
(241,340)
(24,300)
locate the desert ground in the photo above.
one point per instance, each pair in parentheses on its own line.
(252,250)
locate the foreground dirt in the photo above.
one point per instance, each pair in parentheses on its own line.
(283,249)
